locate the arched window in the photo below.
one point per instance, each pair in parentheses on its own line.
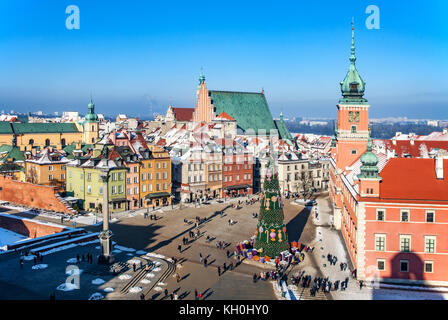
(93,128)
(63,142)
(31,142)
(47,142)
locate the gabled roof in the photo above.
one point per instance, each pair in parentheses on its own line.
(249,109)
(224,116)
(416,149)
(183,114)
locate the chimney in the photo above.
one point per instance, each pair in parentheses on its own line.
(394,141)
(439,167)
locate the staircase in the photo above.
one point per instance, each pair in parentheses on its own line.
(304,293)
(169,271)
(137,278)
(67,205)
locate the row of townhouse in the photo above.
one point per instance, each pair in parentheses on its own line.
(144,183)
(214,169)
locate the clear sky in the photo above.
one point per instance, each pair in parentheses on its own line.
(136,56)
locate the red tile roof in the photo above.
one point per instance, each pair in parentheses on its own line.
(403,147)
(183,114)
(413,179)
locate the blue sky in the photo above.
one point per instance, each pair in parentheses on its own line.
(137,56)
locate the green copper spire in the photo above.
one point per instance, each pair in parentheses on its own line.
(91,116)
(369,161)
(201,78)
(353,85)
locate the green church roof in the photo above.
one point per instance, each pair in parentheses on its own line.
(91,116)
(282,130)
(11,152)
(22,128)
(6,128)
(249,109)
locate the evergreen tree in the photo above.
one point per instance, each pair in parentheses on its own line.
(271,237)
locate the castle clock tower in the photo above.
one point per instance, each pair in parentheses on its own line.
(90,126)
(353,116)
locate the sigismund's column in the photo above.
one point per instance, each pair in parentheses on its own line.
(106,234)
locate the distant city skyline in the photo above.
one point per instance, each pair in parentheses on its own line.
(136,59)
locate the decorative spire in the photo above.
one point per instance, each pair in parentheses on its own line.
(353,85)
(352,49)
(91,115)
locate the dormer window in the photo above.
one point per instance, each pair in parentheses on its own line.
(353,87)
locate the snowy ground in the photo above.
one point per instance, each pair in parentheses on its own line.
(9,237)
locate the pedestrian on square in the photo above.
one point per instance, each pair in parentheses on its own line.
(200,257)
(225,267)
(205,263)
(177,277)
(134,266)
(219,271)
(195,294)
(142,297)
(179,248)
(166,292)
(361,284)
(200,295)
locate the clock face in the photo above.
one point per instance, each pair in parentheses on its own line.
(353,116)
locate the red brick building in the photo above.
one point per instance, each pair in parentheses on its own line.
(237,169)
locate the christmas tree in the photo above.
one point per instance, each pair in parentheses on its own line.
(271,237)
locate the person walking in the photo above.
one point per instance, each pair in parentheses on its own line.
(200,257)
(361,284)
(199,295)
(195,294)
(134,266)
(142,296)
(219,271)
(179,248)
(205,262)
(177,277)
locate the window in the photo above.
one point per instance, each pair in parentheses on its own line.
(380,242)
(353,129)
(50,168)
(129,191)
(429,266)
(381,264)
(430,244)
(164,175)
(135,169)
(47,142)
(89,189)
(157,175)
(69,173)
(158,165)
(50,177)
(114,189)
(429,216)
(135,179)
(89,177)
(404,265)
(150,187)
(405,243)
(164,165)
(380,215)
(114,176)
(143,176)
(164,186)
(149,176)
(136,190)
(404,216)
(101,190)
(128,180)
(144,188)
(120,175)
(158,187)
(354,151)
(120,189)
(31,142)
(62,176)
